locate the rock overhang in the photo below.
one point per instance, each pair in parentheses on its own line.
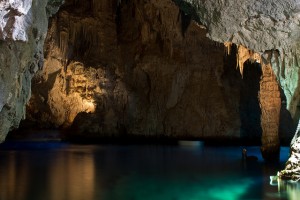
(257,25)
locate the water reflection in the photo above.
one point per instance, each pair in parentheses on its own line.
(290,190)
(13,177)
(76,169)
(47,175)
(75,172)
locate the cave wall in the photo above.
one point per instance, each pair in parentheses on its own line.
(23,29)
(269,25)
(137,68)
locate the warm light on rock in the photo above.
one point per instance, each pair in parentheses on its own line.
(147,68)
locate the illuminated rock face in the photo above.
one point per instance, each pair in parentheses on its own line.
(270,103)
(140,68)
(23,28)
(292,168)
(143,69)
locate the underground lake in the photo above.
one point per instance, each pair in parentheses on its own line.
(187,171)
(173,75)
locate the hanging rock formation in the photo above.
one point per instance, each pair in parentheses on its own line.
(145,68)
(135,68)
(23,28)
(269,99)
(142,69)
(260,26)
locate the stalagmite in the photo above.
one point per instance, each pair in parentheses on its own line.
(270,103)
(63,43)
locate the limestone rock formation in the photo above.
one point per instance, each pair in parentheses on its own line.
(270,28)
(23,28)
(135,68)
(292,168)
(145,69)
(259,26)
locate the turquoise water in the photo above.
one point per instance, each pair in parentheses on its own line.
(60,171)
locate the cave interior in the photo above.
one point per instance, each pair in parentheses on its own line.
(137,72)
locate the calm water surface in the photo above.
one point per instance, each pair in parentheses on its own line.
(60,171)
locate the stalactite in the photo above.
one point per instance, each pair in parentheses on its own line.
(244,54)
(71,31)
(63,43)
(79,36)
(228,46)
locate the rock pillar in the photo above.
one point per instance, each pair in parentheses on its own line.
(270,103)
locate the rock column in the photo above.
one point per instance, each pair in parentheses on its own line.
(270,103)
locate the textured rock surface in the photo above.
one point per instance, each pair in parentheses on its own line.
(260,26)
(135,69)
(23,28)
(269,27)
(292,168)
(270,102)
(142,68)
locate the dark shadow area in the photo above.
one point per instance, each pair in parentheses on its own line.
(185,22)
(188,9)
(286,125)
(249,104)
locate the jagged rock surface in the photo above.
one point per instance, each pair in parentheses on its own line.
(259,26)
(23,28)
(292,168)
(141,68)
(269,26)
